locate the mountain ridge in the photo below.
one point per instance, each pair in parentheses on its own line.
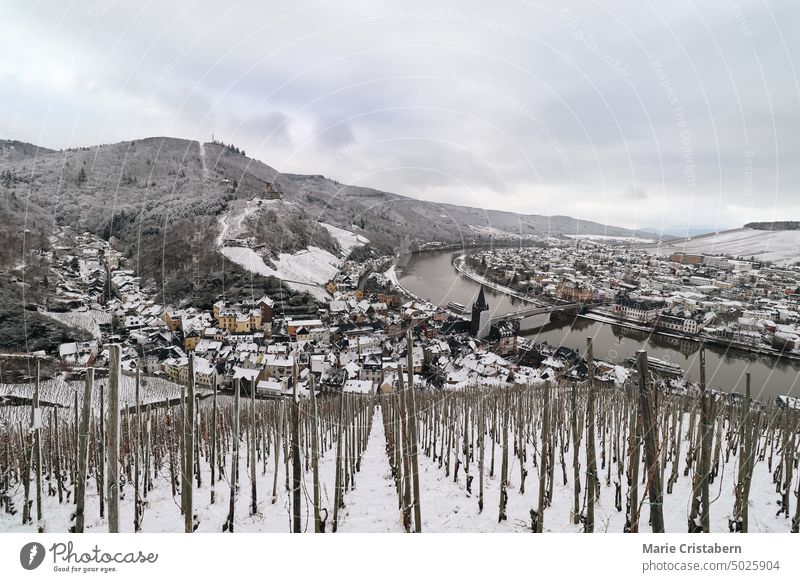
(161,199)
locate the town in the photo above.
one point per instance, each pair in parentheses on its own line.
(711,298)
(355,341)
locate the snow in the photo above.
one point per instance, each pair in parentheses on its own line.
(604,237)
(780,246)
(391,276)
(488,231)
(232,223)
(89,321)
(314,265)
(372,506)
(304,271)
(346,239)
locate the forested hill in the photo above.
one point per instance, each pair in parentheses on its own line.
(777,225)
(162,199)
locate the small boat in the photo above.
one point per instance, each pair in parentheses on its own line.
(660,365)
(454,306)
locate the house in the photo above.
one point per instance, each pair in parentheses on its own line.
(267,308)
(271,388)
(503,336)
(685,325)
(358,387)
(278,366)
(640,310)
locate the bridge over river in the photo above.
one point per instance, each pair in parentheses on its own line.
(539,309)
(432,276)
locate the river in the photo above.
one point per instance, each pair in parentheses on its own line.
(432,276)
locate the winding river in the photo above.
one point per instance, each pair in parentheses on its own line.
(432,276)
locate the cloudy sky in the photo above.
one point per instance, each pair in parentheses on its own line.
(640,114)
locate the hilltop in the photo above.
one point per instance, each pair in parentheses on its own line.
(776,246)
(164,202)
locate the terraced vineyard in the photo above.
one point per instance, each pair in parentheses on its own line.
(134,454)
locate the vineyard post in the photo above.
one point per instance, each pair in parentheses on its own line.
(796,519)
(745,459)
(576,465)
(56,455)
(413,435)
(339,438)
(635,436)
(787,452)
(101,456)
(655,492)
(705,456)
(315,454)
(481,444)
(277,424)
(253,488)
(188,450)
(406,440)
(234,457)
(113,439)
(504,463)
(36,423)
(214,436)
(25,473)
(137,504)
(591,457)
(83,451)
(76,428)
(545,455)
(296,467)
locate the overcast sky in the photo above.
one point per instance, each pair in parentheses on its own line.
(638,114)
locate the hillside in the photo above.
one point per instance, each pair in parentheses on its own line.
(166,202)
(777,246)
(777,225)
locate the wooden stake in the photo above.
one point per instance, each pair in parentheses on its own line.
(113,438)
(83,452)
(296,467)
(413,438)
(315,455)
(650,453)
(591,457)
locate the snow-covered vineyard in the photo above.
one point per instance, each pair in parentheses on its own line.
(544,457)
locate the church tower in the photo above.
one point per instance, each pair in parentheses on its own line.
(481,318)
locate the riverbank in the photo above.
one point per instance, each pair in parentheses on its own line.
(597,314)
(433,277)
(603,317)
(458,265)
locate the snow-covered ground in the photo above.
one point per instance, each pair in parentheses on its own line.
(603,237)
(162,512)
(304,270)
(447,507)
(346,239)
(89,321)
(445,504)
(232,223)
(781,246)
(489,231)
(391,275)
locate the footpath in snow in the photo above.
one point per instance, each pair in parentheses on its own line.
(372,506)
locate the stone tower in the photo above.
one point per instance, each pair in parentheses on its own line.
(481,318)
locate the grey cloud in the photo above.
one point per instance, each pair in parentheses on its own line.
(527,107)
